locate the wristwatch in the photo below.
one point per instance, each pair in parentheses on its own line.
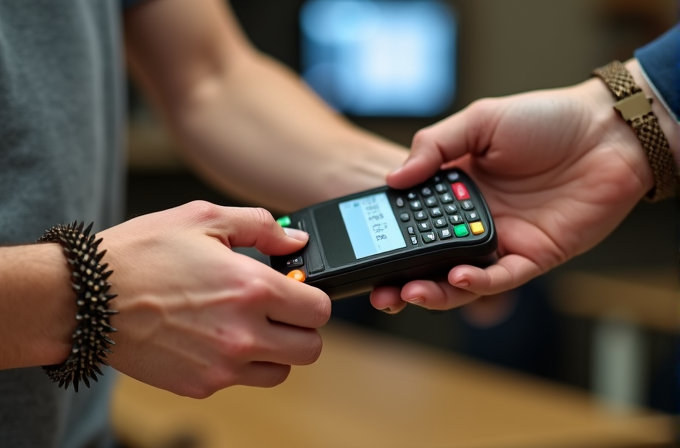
(636,109)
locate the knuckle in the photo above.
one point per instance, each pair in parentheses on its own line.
(313,350)
(322,311)
(421,138)
(239,345)
(256,290)
(203,210)
(262,216)
(278,376)
(481,106)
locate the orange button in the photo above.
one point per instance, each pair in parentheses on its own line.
(297,275)
(477,227)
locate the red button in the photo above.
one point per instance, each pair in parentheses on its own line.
(460,191)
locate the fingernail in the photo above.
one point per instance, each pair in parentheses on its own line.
(416,300)
(296,234)
(387,310)
(462,284)
(396,171)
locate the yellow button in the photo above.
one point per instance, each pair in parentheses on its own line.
(477,227)
(297,275)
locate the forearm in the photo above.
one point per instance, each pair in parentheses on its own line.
(246,122)
(258,132)
(37,306)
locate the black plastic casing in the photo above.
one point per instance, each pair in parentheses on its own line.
(330,264)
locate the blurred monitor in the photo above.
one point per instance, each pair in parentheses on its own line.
(380,58)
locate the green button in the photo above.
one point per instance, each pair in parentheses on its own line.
(460,230)
(284,221)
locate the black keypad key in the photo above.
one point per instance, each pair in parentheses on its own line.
(450,209)
(453,176)
(428,237)
(421,215)
(455,219)
(467,205)
(415,205)
(435,212)
(440,222)
(400,202)
(444,234)
(446,198)
(424,226)
(414,240)
(295,262)
(411,230)
(426,191)
(412,195)
(431,201)
(441,188)
(405,217)
(472,216)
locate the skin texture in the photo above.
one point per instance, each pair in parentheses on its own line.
(210,318)
(196,317)
(247,124)
(559,170)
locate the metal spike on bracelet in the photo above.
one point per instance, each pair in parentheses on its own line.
(89,281)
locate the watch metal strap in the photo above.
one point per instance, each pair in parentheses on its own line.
(636,109)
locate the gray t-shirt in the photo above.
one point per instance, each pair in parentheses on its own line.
(61,159)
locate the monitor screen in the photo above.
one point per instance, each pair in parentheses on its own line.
(379,57)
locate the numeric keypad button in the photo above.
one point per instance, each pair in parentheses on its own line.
(467,205)
(420,216)
(405,217)
(412,195)
(472,216)
(435,212)
(444,234)
(453,176)
(428,237)
(455,219)
(446,198)
(431,201)
(424,226)
(440,222)
(441,188)
(415,205)
(450,209)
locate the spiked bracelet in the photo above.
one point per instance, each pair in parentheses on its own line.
(89,282)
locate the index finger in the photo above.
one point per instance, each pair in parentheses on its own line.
(443,142)
(290,301)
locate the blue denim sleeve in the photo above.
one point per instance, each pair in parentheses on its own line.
(660,61)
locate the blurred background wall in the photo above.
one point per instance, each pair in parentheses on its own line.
(502,47)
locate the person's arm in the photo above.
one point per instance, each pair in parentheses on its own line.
(37,306)
(246,122)
(560,170)
(194,316)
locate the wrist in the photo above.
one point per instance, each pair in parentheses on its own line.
(609,127)
(635,108)
(36,306)
(669,126)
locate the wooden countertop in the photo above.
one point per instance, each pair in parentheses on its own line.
(370,390)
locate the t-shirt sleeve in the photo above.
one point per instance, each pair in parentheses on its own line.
(660,62)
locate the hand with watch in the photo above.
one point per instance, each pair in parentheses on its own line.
(560,169)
